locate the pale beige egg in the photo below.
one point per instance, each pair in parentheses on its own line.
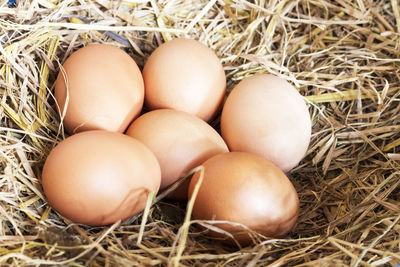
(266,116)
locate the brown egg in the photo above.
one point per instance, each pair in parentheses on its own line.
(267,116)
(100,177)
(180,142)
(105,89)
(184,75)
(243,188)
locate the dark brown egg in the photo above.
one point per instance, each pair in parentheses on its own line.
(243,188)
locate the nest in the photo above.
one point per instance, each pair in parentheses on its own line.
(342,55)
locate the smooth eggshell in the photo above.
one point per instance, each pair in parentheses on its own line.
(267,116)
(105,89)
(180,142)
(100,177)
(243,188)
(185,75)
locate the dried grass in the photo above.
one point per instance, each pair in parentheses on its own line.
(342,55)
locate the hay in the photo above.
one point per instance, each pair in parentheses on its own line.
(342,55)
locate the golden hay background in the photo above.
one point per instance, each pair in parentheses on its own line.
(342,55)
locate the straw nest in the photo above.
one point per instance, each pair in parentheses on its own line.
(342,55)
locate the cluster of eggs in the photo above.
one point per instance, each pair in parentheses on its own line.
(134,132)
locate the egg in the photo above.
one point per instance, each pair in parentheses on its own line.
(101,88)
(185,75)
(99,177)
(243,188)
(180,142)
(267,116)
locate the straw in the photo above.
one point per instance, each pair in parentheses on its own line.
(343,56)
